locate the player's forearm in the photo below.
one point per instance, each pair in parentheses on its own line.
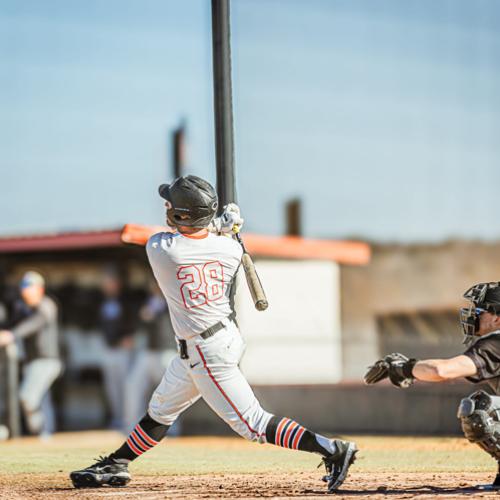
(430,370)
(29,326)
(439,370)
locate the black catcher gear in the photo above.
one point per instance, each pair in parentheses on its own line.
(193,201)
(106,471)
(337,465)
(397,367)
(479,415)
(482,297)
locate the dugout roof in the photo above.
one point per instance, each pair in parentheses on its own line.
(284,247)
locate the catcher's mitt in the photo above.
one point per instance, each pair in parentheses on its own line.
(397,367)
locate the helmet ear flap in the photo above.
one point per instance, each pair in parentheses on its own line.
(163,191)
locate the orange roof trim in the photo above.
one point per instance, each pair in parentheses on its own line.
(285,247)
(293,247)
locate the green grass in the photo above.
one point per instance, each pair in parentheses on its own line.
(70,451)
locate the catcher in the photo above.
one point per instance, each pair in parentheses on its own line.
(480,412)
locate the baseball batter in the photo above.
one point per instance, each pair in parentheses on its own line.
(195,267)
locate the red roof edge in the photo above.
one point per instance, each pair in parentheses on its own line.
(61,241)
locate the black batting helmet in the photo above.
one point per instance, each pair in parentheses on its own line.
(193,201)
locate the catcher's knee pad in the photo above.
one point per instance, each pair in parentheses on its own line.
(480,417)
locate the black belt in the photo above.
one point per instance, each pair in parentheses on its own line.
(215,328)
(209,332)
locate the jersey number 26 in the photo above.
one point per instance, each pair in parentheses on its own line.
(201,283)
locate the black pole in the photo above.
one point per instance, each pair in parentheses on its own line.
(178,150)
(223,103)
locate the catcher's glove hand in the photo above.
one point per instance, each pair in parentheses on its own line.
(397,367)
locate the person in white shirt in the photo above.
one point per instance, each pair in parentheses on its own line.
(195,267)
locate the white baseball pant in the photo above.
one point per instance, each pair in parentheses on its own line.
(211,372)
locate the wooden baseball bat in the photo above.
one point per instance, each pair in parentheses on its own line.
(253,281)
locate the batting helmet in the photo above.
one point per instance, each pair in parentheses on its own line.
(193,201)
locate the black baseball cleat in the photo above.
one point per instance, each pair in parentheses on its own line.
(495,486)
(496,482)
(338,464)
(106,471)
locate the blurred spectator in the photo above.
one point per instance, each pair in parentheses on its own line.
(34,325)
(152,359)
(117,326)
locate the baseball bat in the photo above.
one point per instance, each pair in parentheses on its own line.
(253,281)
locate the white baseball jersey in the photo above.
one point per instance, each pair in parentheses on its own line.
(195,275)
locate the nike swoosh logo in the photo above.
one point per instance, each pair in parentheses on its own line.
(192,366)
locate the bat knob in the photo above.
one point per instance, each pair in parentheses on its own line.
(261,305)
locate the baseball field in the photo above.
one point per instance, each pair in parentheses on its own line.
(213,467)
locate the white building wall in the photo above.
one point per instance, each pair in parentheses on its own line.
(297,340)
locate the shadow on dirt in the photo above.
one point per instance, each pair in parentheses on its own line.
(419,490)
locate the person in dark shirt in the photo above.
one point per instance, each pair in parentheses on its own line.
(151,358)
(480,412)
(34,326)
(117,326)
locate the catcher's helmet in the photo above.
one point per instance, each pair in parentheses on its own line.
(483,297)
(193,201)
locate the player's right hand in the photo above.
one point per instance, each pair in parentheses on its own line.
(228,220)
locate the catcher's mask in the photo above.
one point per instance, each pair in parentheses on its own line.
(192,201)
(483,297)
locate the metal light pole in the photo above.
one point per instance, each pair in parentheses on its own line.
(223,102)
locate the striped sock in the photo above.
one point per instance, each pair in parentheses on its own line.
(139,441)
(287,433)
(146,435)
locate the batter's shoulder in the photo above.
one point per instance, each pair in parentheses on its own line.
(160,242)
(230,244)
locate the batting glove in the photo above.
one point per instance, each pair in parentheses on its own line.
(226,223)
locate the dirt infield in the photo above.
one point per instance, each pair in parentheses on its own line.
(232,468)
(269,485)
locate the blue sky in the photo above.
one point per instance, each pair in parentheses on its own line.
(382,115)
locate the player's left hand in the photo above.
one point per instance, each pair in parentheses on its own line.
(396,366)
(6,338)
(228,220)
